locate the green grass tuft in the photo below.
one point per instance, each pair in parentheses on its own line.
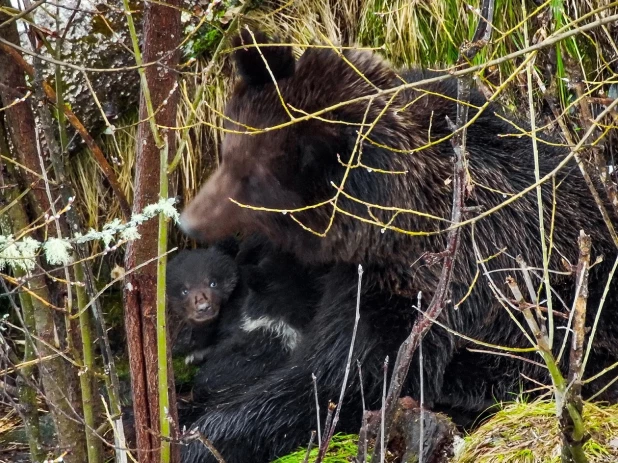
(528,433)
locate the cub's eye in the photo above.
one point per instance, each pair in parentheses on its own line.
(213,284)
(184,292)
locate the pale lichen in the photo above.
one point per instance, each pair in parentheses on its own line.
(18,255)
(57,251)
(21,254)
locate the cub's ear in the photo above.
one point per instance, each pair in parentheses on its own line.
(250,63)
(175,265)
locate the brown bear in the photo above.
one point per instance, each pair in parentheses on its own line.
(357,167)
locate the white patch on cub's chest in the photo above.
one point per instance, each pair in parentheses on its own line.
(277,327)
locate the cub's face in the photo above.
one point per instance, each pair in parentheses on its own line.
(199,284)
(197,301)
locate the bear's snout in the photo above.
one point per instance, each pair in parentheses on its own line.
(187,227)
(212,215)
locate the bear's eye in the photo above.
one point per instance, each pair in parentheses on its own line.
(213,284)
(248,181)
(184,292)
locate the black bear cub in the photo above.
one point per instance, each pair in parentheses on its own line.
(203,290)
(277,308)
(248,306)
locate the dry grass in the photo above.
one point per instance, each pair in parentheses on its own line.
(8,419)
(10,423)
(89,180)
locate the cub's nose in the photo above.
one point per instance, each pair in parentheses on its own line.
(202,303)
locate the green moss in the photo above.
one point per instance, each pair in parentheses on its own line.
(341,449)
(122,368)
(183,374)
(206,41)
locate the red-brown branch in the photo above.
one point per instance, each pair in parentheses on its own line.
(162,33)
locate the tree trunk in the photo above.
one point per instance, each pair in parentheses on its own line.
(162,35)
(59,379)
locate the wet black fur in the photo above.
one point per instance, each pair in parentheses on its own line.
(296,167)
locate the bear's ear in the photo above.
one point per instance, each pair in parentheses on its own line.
(250,63)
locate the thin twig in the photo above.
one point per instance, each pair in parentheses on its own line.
(327,425)
(549,330)
(421,379)
(361,456)
(317,406)
(533,297)
(309,446)
(329,430)
(23,13)
(383,420)
(597,317)
(195,434)
(362,388)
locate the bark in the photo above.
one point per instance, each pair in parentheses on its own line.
(161,36)
(572,425)
(20,120)
(59,379)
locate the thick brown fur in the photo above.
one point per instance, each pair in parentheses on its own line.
(404,161)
